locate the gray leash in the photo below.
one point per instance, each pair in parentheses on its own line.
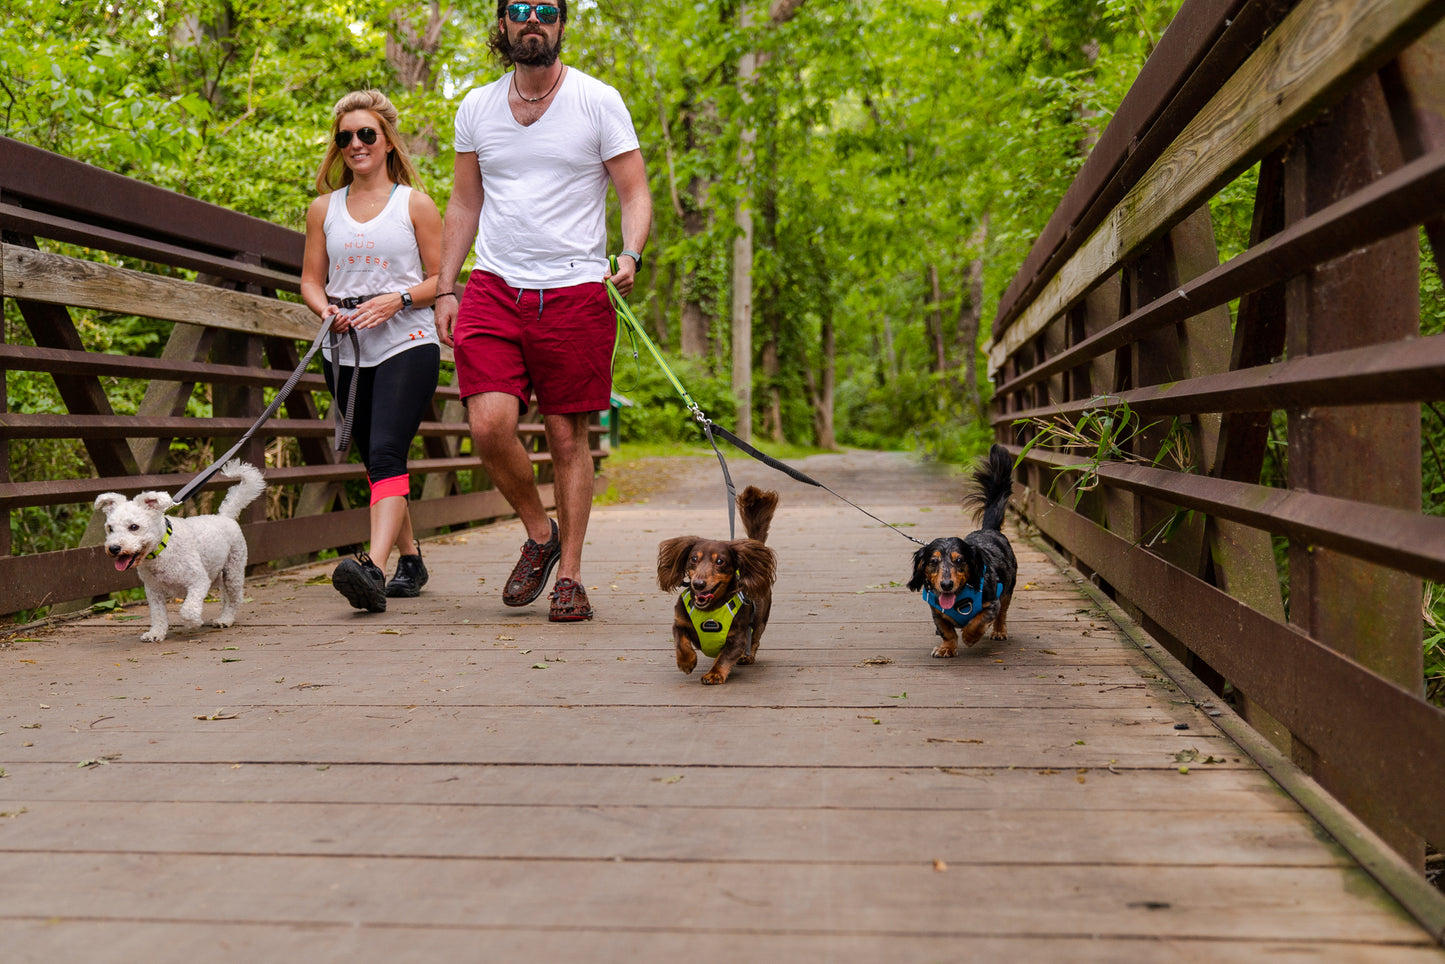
(343,417)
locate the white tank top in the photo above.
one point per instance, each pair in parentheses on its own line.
(372,258)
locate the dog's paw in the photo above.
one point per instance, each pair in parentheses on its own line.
(713,678)
(945,651)
(746,659)
(154,636)
(220,622)
(999,634)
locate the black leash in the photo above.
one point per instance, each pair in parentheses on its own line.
(709,426)
(343,418)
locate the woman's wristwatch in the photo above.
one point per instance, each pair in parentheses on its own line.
(405,299)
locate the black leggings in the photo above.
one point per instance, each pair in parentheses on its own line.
(391,399)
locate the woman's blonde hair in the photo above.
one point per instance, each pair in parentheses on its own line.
(334,173)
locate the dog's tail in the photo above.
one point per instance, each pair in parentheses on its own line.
(995,486)
(757,508)
(252,484)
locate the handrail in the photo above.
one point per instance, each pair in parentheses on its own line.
(229,340)
(1291,378)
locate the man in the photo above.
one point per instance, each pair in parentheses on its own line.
(535,151)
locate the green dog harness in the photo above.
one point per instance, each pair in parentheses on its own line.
(712,625)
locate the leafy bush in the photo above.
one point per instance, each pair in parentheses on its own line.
(658,413)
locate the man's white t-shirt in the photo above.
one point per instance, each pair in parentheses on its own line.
(544,187)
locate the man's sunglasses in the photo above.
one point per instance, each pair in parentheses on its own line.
(367,135)
(546,12)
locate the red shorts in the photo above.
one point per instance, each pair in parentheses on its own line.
(557,342)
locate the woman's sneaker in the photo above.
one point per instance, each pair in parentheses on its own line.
(410,576)
(362,583)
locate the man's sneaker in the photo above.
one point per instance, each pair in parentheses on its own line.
(410,577)
(569,602)
(530,573)
(362,583)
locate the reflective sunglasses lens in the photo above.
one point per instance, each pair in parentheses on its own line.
(546,12)
(343,139)
(367,135)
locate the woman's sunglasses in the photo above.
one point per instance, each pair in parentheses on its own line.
(343,138)
(546,12)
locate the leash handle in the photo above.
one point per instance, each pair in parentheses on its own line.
(344,416)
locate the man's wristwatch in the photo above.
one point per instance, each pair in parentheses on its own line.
(636,256)
(405,298)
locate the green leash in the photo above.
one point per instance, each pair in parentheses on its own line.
(634,327)
(630,322)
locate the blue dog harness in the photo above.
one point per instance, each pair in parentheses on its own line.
(967,604)
(712,625)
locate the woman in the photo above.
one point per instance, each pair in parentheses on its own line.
(370,242)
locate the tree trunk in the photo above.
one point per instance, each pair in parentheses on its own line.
(410,52)
(935,321)
(970,320)
(823,399)
(779,12)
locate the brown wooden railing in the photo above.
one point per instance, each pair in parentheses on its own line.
(1295,372)
(213,275)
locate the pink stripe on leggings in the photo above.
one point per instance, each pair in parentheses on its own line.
(386,488)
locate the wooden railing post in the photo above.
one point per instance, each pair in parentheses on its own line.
(1370,613)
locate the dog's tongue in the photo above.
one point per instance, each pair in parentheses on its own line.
(947,600)
(122,563)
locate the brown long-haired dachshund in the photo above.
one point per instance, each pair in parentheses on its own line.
(727,589)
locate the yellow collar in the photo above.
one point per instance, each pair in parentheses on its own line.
(165,541)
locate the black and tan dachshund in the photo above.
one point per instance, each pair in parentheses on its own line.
(727,589)
(968,583)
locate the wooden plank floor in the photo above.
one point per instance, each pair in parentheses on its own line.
(455,780)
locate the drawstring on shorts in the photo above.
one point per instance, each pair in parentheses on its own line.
(541,297)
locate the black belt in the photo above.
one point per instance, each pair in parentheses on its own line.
(352,303)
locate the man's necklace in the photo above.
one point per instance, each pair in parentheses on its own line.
(533,100)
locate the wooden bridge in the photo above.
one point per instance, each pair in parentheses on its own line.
(456,780)
(1196,437)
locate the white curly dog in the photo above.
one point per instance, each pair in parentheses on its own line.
(184,556)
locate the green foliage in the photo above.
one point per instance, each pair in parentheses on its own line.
(658,412)
(1432,424)
(1434,642)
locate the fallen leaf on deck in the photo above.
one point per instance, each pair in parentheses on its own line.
(220,715)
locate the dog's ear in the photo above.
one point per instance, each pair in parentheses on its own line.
(107,501)
(672,561)
(757,567)
(155,501)
(920,559)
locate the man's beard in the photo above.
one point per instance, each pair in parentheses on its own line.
(530,54)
